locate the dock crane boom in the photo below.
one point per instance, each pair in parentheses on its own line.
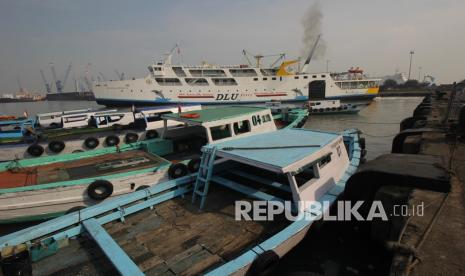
(68,70)
(54,75)
(47,85)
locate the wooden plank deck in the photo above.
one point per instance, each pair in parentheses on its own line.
(174,238)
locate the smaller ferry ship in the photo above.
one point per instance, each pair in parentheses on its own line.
(240,84)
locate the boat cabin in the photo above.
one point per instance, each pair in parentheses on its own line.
(16,129)
(219,124)
(305,163)
(103,120)
(54,119)
(151,117)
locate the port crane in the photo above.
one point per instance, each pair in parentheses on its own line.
(60,84)
(120,76)
(47,85)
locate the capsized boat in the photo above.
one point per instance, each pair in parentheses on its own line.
(49,186)
(161,229)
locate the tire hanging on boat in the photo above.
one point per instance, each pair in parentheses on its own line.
(56,146)
(264,263)
(177,170)
(111,141)
(151,134)
(194,164)
(131,137)
(100,189)
(91,142)
(35,150)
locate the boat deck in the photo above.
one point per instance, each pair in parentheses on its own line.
(173,238)
(76,169)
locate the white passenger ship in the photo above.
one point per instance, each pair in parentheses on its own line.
(242,84)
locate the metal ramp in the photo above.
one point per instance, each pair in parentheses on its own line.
(204,175)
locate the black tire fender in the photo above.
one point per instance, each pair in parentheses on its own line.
(194,164)
(100,189)
(177,170)
(91,142)
(111,141)
(131,137)
(151,134)
(17,264)
(264,263)
(35,150)
(56,146)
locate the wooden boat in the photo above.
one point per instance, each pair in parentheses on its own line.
(83,130)
(161,230)
(49,186)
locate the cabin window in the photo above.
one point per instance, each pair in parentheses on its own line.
(220,132)
(241,127)
(323,76)
(179,71)
(273,78)
(207,73)
(265,79)
(75,119)
(302,177)
(196,81)
(168,81)
(305,77)
(296,77)
(224,81)
(255,79)
(323,162)
(242,72)
(114,118)
(314,76)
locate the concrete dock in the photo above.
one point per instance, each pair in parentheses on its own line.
(427,168)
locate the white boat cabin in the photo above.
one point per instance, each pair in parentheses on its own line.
(220,124)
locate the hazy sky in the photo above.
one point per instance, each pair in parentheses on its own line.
(129,35)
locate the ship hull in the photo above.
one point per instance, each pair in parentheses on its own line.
(71,96)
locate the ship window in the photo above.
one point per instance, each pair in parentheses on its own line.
(296,77)
(179,71)
(220,132)
(305,77)
(242,72)
(273,78)
(224,81)
(314,76)
(323,76)
(207,73)
(241,127)
(168,81)
(269,72)
(265,79)
(255,79)
(196,81)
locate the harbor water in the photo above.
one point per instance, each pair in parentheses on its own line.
(379,121)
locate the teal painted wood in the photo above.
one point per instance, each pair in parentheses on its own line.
(249,256)
(60,223)
(244,189)
(202,183)
(277,156)
(262,180)
(112,250)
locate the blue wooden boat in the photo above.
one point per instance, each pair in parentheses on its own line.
(187,225)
